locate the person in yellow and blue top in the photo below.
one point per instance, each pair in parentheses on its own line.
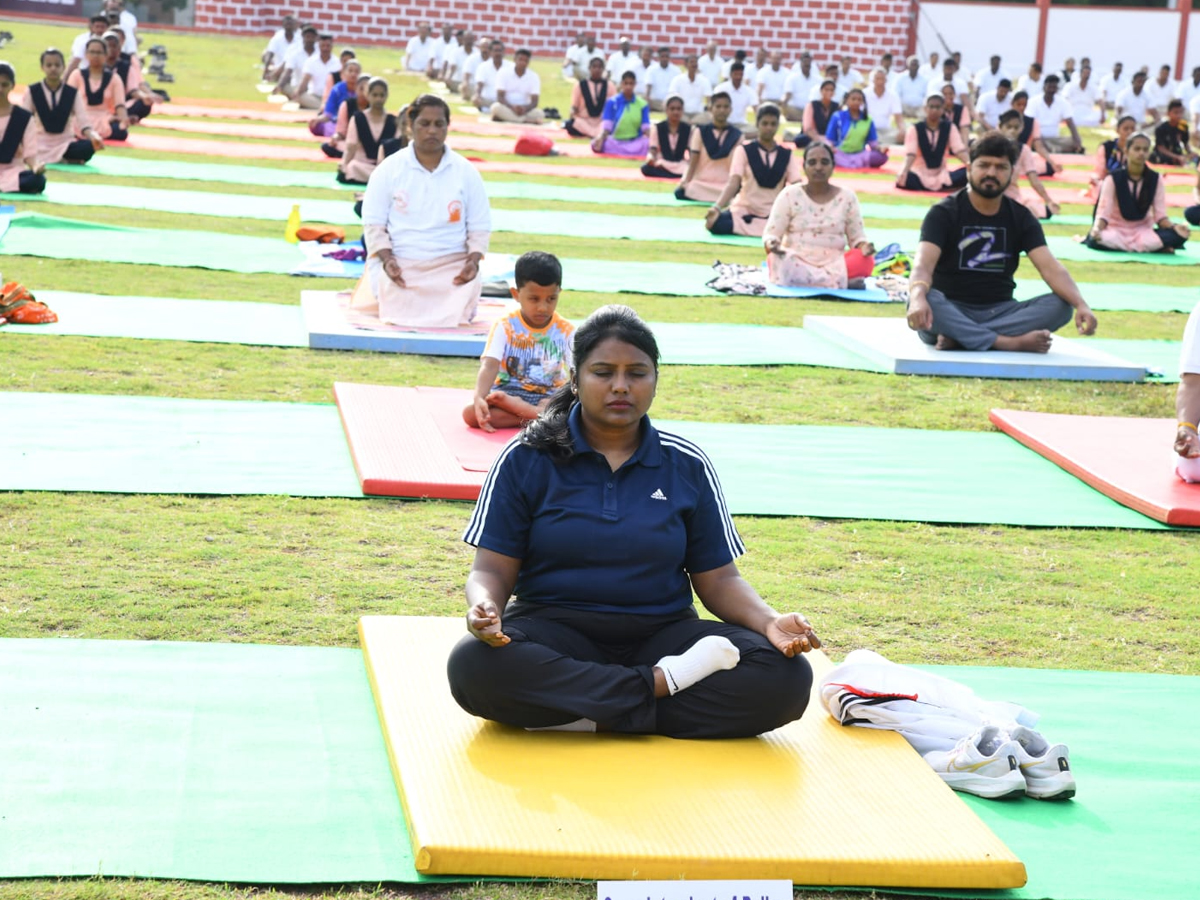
(528,353)
(600,527)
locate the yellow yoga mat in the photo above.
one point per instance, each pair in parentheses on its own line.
(814,802)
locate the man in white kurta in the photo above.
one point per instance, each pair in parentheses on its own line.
(426,223)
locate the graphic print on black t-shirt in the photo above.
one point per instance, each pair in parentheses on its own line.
(983,248)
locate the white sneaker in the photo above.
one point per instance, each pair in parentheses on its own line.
(1046,767)
(983,763)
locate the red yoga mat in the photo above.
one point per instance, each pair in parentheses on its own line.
(412,442)
(1126,459)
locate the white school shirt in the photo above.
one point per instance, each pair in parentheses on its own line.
(318,71)
(1189,355)
(619,63)
(1132,104)
(1082,100)
(800,86)
(928,72)
(772,82)
(1029,85)
(882,109)
(295,59)
(659,79)
(279,45)
(1186,90)
(711,68)
(519,90)
(987,80)
(911,90)
(469,63)
(417,54)
(487,77)
(1159,96)
(847,80)
(1049,116)
(740,99)
(935,86)
(749,71)
(1109,87)
(427,214)
(643,77)
(79,45)
(129,24)
(695,94)
(1194,107)
(990,107)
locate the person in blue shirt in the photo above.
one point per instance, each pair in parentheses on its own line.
(600,527)
(325,123)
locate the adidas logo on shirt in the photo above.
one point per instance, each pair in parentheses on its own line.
(658,495)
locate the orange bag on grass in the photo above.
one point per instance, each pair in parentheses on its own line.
(322,234)
(17,305)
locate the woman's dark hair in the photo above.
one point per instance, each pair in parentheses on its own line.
(549,431)
(423,102)
(1121,121)
(95,40)
(1139,136)
(1010,115)
(993,143)
(51,51)
(7,69)
(765,110)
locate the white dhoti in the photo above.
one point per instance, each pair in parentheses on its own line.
(430,298)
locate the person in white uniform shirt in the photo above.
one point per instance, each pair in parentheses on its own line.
(461,64)
(742,98)
(712,66)
(962,90)
(659,78)
(801,82)
(1050,111)
(931,69)
(294,60)
(989,78)
(883,106)
(128,22)
(487,77)
(1189,88)
(426,226)
(910,88)
(694,90)
(590,52)
(418,54)
(97,25)
(1031,81)
(443,45)
(517,93)
(1080,95)
(848,77)
(641,69)
(283,40)
(572,57)
(310,92)
(1160,91)
(771,80)
(1112,84)
(620,60)
(993,104)
(1134,101)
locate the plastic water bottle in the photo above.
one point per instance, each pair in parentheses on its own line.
(293,225)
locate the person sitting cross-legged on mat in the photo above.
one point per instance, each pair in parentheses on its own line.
(59,110)
(20,169)
(588,97)
(103,92)
(1028,164)
(517,92)
(324,124)
(528,353)
(927,146)
(426,225)
(810,226)
(372,135)
(1187,402)
(760,170)
(625,124)
(710,152)
(601,527)
(669,141)
(139,98)
(853,136)
(1131,214)
(960,296)
(335,147)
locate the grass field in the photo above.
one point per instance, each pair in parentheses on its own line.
(301,571)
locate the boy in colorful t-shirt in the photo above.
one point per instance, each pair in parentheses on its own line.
(528,352)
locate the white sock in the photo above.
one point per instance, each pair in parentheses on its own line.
(577,725)
(709,654)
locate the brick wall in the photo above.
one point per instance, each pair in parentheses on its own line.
(861,28)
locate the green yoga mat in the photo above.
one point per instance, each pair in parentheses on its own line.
(837,472)
(1112,296)
(32,234)
(214,762)
(1161,358)
(266,764)
(155,445)
(166,318)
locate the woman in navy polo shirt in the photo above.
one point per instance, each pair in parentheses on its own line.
(600,527)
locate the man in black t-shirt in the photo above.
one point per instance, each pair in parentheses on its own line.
(960,296)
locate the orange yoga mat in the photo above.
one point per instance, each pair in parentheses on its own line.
(1126,459)
(412,442)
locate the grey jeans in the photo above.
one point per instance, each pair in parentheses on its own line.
(977,327)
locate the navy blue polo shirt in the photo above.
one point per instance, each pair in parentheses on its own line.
(590,538)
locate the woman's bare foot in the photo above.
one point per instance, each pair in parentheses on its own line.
(1030,342)
(945,343)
